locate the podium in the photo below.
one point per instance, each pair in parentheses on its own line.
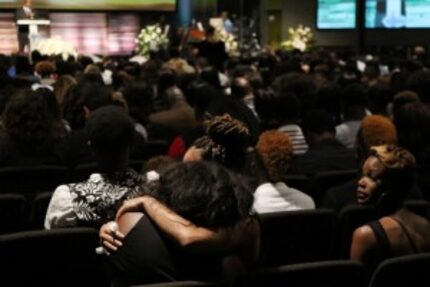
(33,28)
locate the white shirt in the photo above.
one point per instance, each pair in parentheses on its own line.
(296,136)
(346,133)
(276,197)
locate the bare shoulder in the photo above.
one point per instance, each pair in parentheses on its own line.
(128,220)
(363,240)
(364,234)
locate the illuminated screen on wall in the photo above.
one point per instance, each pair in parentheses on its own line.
(336,14)
(397,14)
(156,5)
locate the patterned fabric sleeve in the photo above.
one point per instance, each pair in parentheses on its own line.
(60,212)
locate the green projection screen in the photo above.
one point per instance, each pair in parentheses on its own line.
(156,5)
(336,14)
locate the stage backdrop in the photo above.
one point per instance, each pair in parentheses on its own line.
(90,33)
(158,5)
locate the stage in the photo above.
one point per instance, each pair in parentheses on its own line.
(88,32)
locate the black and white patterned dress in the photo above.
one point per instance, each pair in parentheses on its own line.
(92,202)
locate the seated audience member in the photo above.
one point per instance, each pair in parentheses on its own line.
(45,70)
(178,115)
(374,130)
(61,87)
(96,200)
(401,99)
(200,216)
(387,177)
(413,127)
(325,152)
(379,96)
(226,142)
(353,103)
(287,111)
(31,129)
(82,101)
(274,152)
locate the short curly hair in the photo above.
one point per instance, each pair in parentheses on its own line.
(45,68)
(276,151)
(378,130)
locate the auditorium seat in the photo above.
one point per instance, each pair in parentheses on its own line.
(410,270)
(32,180)
(340,273)
(62,257)
(323,181)
(12,212)
(38,210)
(297,236)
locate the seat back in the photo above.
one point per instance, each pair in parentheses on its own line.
(63,257)
(328,273)
(323,181)
(350,218)
(32,180)
(420,207)
(83,171)
(38,210)
(297,181)
(297,236)
(410,270)
(12,212)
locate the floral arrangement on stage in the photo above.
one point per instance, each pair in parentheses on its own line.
(151,38)
(230,41)
(299,38)
(54,46)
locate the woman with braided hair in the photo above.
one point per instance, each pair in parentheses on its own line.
(226,142)
(388,175)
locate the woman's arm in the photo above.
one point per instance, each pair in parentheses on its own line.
(244,236)
(363,240)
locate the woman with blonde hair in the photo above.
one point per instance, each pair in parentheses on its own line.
(387,177)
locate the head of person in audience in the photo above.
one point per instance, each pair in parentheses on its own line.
(80,100)
(264,101)
(240,88)
(374,131)
(110,135)
(388,175)
(27,3)
(273,156)
(380,96)
(287,108)
(30,122)
(353,102)
(225,142)
(413,127)
(200,94)
(419,82)
(318,126)
(401,99)
(61,86)
(205,193)
(45,69)
(139,97)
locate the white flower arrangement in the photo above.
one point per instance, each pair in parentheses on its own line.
(151,38)
(300,38)
(230,41)
(54,46)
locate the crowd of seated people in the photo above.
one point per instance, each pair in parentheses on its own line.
(256,119)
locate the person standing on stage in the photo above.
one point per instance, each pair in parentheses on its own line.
(24,12)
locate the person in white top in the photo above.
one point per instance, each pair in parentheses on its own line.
(274,152)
